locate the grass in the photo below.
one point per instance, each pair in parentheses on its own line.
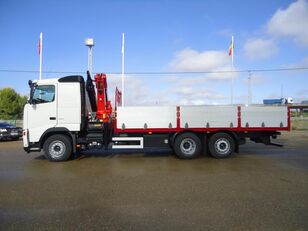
(299,124)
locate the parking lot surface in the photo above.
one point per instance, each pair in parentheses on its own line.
(261,188)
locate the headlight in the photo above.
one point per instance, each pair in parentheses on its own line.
(3,130)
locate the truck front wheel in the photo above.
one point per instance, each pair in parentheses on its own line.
(57,148)
(187,146)
(221,145)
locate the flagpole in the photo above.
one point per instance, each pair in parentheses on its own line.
(41,53)
(123,69)
(232,51)
(232,58)
(249,88)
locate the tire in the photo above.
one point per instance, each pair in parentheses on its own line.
(221,145)
(187,146)
(58,148)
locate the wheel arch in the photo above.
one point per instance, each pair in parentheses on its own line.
(174,135)
(58,131)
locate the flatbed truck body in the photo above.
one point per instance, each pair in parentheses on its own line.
(56,120)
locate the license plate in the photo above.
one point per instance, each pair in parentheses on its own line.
(14,133)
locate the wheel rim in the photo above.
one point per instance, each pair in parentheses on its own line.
(188,146)
(222,146)
(57,149)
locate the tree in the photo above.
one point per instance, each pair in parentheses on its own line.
(11,104)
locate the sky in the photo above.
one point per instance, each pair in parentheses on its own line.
(163,39)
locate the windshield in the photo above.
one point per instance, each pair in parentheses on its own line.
(44,94)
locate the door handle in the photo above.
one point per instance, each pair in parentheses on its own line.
(52,118)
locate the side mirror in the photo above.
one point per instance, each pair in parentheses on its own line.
(32,88)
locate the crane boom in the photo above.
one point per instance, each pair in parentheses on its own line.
(104,109)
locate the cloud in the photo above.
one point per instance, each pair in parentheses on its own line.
(194,61)
(258,48)
(301,95)
(216,62)
(190,90)
(136,90)
(223,73)
(186,79)
(174,90)
(303,63)
(191,95)
(291,22)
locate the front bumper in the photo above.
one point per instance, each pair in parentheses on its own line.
(8,135)
(28,146)
(4,136)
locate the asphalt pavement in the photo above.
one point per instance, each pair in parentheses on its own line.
(261,188)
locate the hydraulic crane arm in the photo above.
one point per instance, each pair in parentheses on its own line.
(104,109)
(91,92)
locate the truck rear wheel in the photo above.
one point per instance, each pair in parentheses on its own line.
(187,146)
(221,145)
(57,148)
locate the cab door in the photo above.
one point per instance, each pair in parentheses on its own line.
(42,113)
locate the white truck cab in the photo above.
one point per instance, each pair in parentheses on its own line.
(54,106)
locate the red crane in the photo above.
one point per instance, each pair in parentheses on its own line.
(104,108)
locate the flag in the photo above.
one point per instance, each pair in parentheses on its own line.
(118,96)
(40,51)
(231,47)
(39,46)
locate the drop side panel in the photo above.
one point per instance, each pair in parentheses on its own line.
(146,117)
(264,116)
(209,116)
